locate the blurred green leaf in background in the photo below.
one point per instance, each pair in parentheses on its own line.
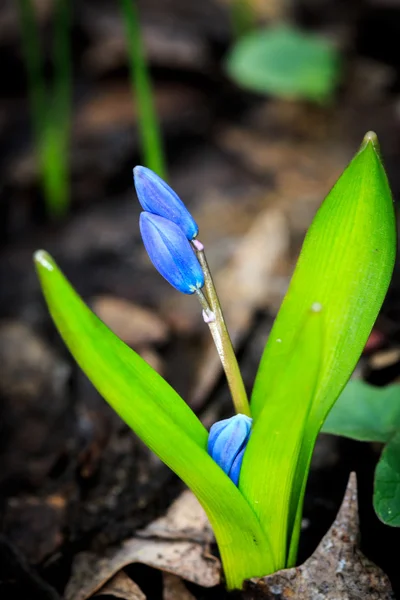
(50,103)
(372,414)
(286,62)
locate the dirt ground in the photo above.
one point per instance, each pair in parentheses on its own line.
(252,170)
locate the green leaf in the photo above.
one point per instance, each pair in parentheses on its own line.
(387,484)
(365,413)
(345,266)
(285,62)
(160,417)
(270,460)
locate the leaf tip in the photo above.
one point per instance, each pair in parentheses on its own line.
(43,259)
(371,138)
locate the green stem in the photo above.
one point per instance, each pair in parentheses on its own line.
(34,65)
(242,17)
(50,108)
(221,336)
(149,128)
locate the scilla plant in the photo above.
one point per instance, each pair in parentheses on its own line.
(250,472)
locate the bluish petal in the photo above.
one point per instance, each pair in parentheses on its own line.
(158,198)
(227,439)
(171,253)
(234,473)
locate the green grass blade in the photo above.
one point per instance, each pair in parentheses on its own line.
(62,66)
(34,64)
(53,161)
(270,460)
(50,107)
(160,417)
(149,128)
(243,18)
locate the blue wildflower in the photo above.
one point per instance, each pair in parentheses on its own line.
(227,442)
(171,253)
(158,198)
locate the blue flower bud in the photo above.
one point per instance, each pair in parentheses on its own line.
(171,253)
(227,442)
(158,198)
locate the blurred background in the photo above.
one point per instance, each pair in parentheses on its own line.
(250,109)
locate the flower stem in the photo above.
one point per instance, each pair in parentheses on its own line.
(220,335)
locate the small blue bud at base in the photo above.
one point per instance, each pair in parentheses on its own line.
(158,198)
(171,253)
(227,443)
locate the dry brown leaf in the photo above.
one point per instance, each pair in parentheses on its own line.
(336,571)
(152,358)
(185,520)
(180,553)
(135,325)
(122,586)
(244,286)
(175,589)
(384,358)
(112,106)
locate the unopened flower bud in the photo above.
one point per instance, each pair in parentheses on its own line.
(171,253)
(227,442)
(158,198)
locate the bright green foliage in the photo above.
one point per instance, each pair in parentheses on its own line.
(149,128)
(372,414)
(345,267)
(334,297)
(50,105)
(387,483)
(278,432)
(159,416)
(285,62)
(365,413)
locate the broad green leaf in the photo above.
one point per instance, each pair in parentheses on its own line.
(366,413)
(270,460)
(160,417)
(285,62)
(387,484)
(345,266)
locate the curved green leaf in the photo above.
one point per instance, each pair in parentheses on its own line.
(345,265)
(365,413)
(387,484)
(270,461)
(160,417)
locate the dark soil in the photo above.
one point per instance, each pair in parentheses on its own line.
(73,477)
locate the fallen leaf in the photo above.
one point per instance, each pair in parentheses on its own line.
(172,545)
(175,589)
(152,358)
(384,358)
(135,325)
(35,525)
(244,286)
(121,586)
(336,571)
(185,520)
